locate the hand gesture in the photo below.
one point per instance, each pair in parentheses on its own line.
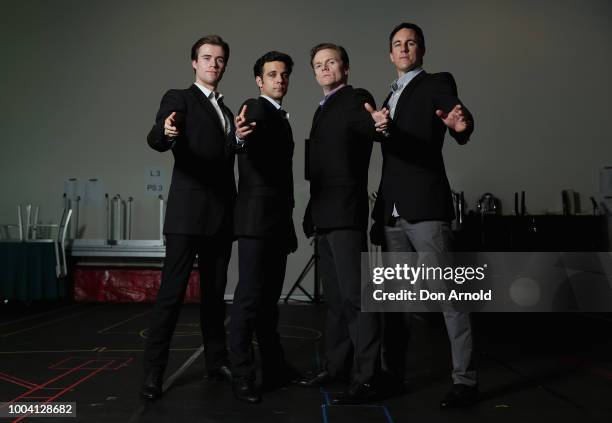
(243,128)
(380,117)
(170,130)
(456,119)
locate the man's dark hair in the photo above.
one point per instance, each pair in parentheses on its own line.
(214,40)
(343,54)
(417,30)
(272,56)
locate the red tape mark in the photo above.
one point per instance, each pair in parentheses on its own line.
(111,363)
(17,381)
(36,388)
(66,389)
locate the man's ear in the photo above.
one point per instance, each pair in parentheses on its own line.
(259,81)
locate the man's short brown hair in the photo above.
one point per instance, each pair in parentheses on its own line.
(406,25)
(214,40)
(343,54)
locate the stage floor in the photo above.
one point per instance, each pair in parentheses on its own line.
(533,368)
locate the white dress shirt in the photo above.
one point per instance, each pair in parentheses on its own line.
(214,97)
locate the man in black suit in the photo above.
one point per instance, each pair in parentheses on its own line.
(195,125)
(263,223)
(414,198)
(337,159)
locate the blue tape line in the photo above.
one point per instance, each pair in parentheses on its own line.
(324,411)
(326,396)
(387,414)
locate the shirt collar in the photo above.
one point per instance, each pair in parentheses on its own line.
(405,79)
(217,95)
(329,94)
(271,100)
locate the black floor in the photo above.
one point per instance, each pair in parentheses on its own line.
(533,367)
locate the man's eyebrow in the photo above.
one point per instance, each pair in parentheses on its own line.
(409,40)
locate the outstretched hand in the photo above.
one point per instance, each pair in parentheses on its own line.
(170,129)
(243,128)
(380,117)
(456,119)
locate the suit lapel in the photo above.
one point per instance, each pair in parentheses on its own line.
(386,102)
(287,126)
(322,110)
(229,115)
(315,119)
(408,91)
(207,106)
(277,117)
(270,109)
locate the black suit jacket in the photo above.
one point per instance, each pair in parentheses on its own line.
(337,160)
(413,174)
(265,161)
(203,190)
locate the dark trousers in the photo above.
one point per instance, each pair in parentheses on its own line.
(213,258)
(352,336)
(261,266)
(426,236)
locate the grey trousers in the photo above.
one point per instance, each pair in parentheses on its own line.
(427,236)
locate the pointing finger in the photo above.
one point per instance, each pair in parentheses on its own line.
(369,108)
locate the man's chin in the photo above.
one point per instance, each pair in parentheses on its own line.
(213,81)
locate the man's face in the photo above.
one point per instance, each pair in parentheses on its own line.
(210,65)
(406,51)
(329,69)
(275,80)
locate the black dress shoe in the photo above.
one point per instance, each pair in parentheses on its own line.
(357,393)
(460,395)
(244,390)
(318,380)
(221,374)
(152,386)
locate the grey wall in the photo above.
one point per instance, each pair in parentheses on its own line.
(81,82)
